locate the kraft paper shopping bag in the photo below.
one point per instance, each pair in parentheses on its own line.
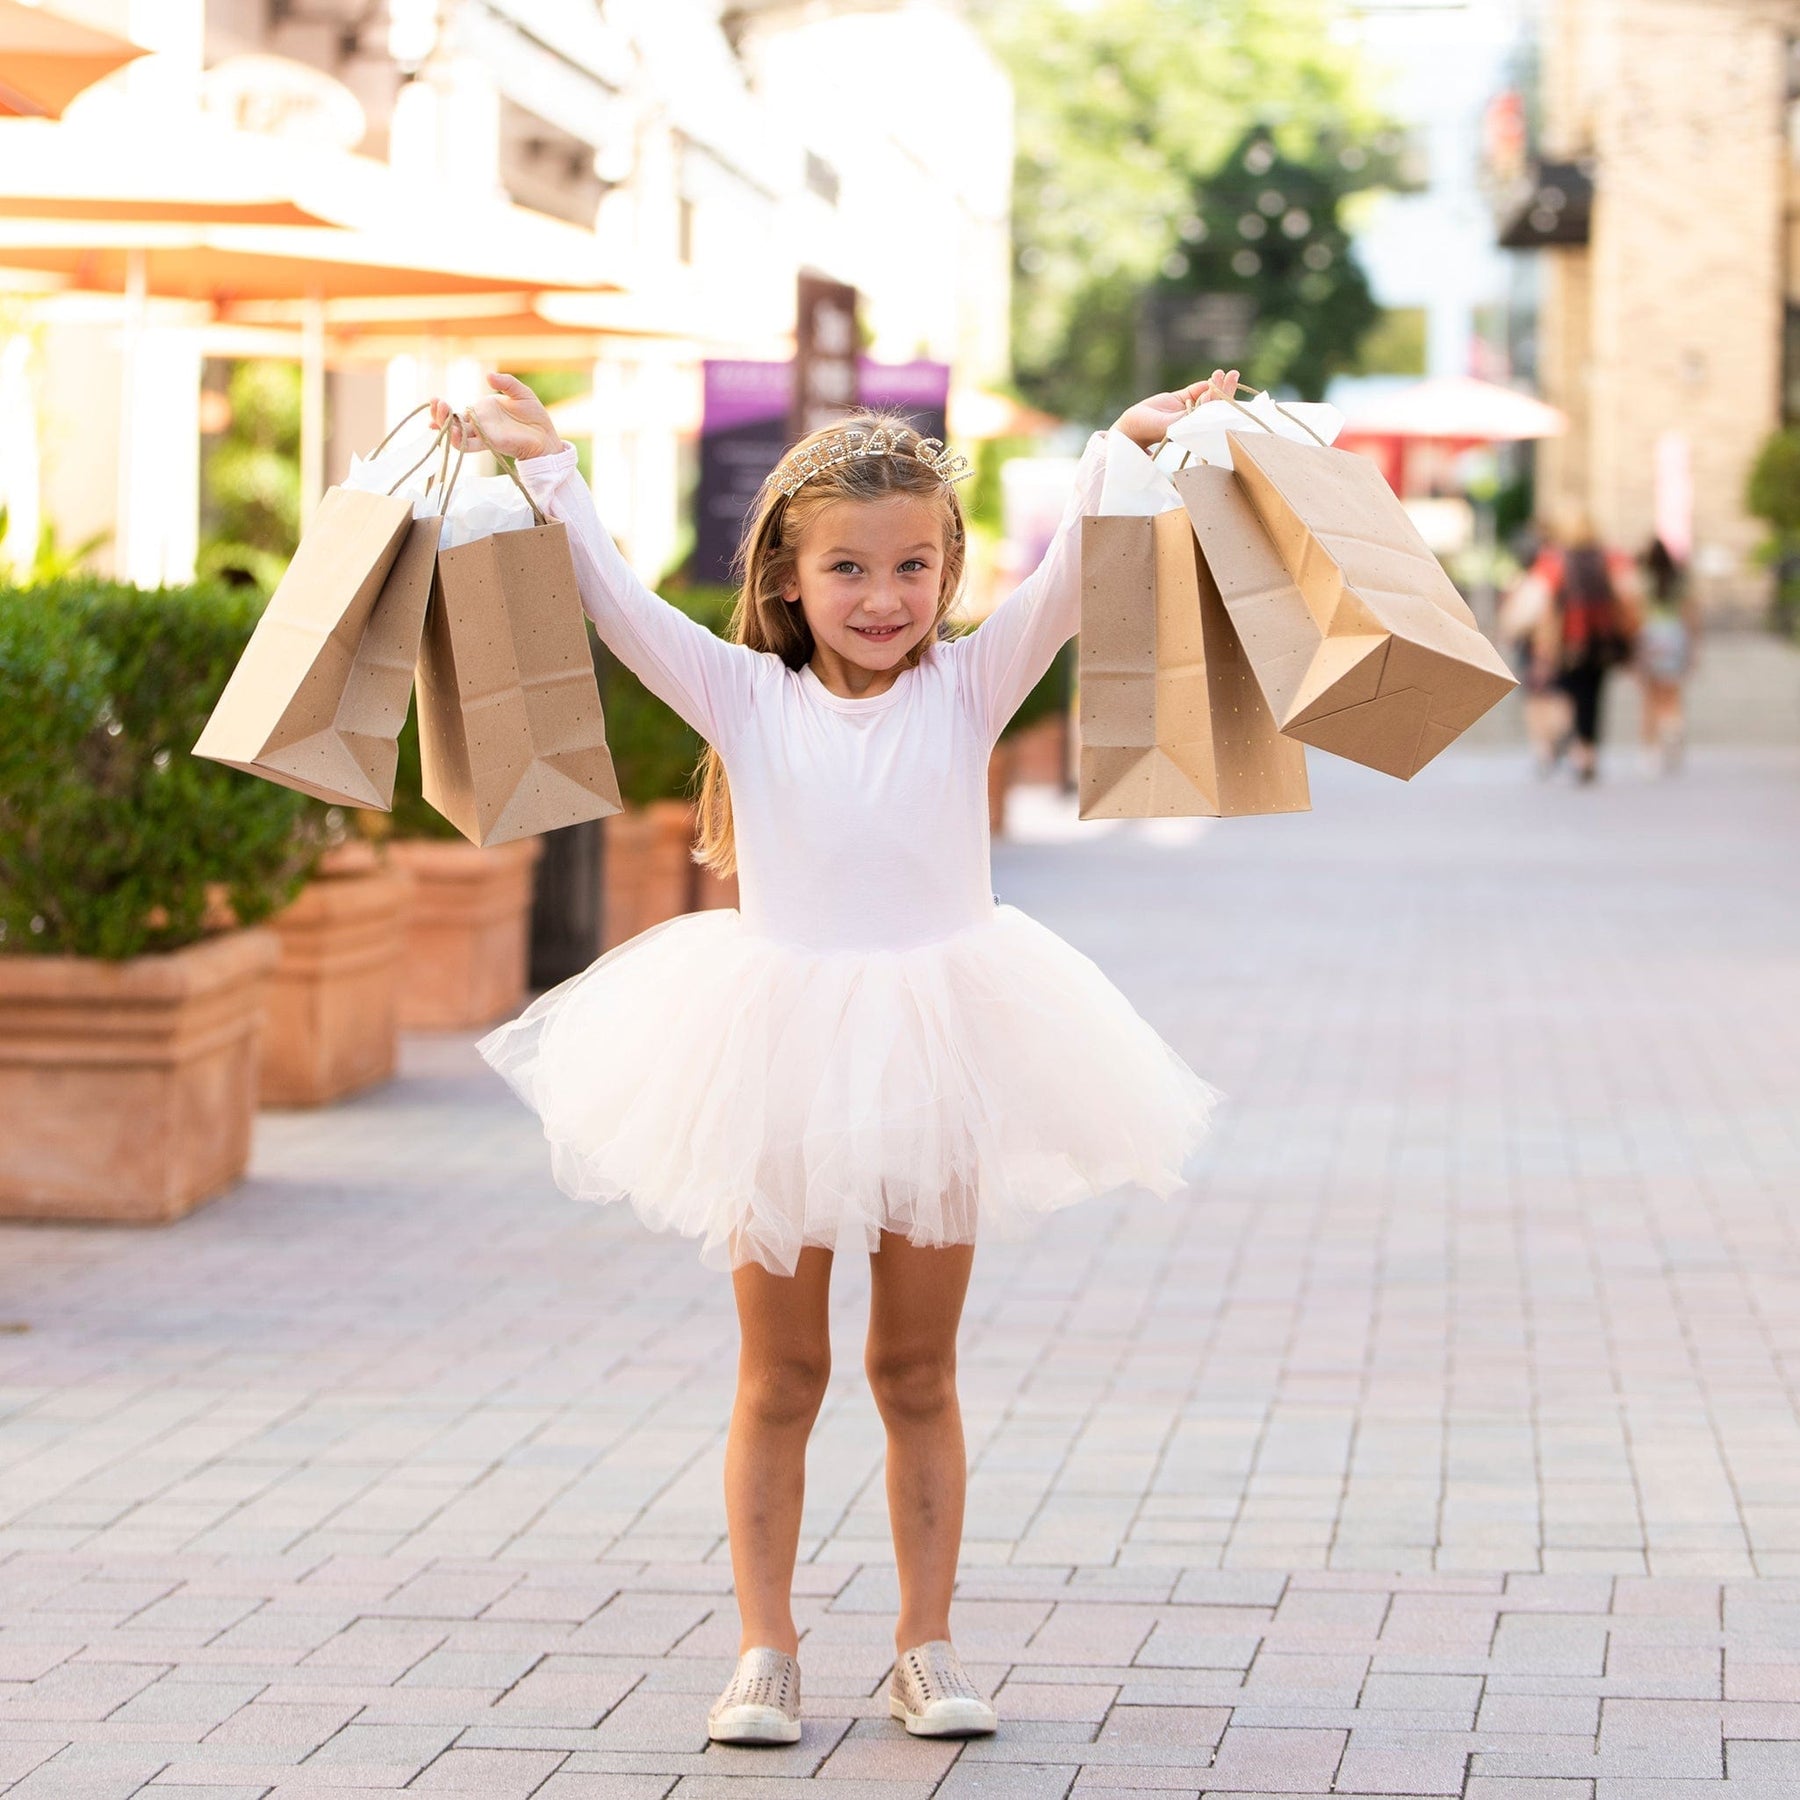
(1359,640)
(280,715)
(1172,723)
(512,741)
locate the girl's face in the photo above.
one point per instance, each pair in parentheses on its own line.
(867,578)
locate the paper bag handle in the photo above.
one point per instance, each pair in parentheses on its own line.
(1260,423)
(506,465)
(423,406)
(443,437)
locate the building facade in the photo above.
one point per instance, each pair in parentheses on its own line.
(713,150)
(1662,205)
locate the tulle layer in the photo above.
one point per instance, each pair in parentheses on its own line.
(761,1097)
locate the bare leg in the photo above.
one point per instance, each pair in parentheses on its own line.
(915,1307)
(784,1359)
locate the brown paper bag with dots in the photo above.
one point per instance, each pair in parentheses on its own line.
(512,741)
(1359,640)
(311,703)
(1173,723)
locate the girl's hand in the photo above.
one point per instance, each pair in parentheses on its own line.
(1147,423)
(511,420)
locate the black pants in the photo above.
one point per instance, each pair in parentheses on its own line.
(1584,684)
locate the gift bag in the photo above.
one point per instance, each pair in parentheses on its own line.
(279,715)
(1172,722)
(1359,641)
(511,737)
(317,700)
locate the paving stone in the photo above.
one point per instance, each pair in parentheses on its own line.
(1352,1463)
(495,1774)
(1251,1759)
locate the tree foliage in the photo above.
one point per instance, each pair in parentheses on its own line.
(1151,134)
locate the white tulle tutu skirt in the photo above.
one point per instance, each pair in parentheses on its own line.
(762,1097)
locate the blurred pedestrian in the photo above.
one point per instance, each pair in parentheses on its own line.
(1520,618)
(1587,630)
(1667,646)
(873,1055)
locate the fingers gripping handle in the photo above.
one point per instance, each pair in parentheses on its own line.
(506,463)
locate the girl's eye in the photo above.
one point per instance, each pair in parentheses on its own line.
(839,568)
(913,563)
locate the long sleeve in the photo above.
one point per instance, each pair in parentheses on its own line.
(708,681)
(1006,656)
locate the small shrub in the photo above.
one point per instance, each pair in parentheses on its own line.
(114,839)
(1774,497)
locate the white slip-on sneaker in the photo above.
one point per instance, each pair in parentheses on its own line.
(761,1702)
(932,1693)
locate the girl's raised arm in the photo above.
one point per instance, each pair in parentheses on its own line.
(708,681)
(1007,655)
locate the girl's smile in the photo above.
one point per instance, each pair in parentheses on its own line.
(868,576)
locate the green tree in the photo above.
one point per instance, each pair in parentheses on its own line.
(251,478)
(1151,133)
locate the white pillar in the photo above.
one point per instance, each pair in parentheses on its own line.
(312,408)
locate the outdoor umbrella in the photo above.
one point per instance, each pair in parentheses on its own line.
(1454,410)
(1457,409)
(200,173)
(46,59)
(176,243)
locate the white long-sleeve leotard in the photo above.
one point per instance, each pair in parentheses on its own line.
(860,824)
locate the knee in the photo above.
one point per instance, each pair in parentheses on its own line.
(912,1385)
(786,1388)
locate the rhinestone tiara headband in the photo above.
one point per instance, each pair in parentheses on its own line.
(842,446)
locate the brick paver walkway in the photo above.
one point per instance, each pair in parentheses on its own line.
(1444,1443)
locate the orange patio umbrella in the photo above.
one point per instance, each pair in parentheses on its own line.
(47,59)
(408,247)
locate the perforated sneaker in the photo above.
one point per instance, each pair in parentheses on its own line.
(932,1693)
(761,1702)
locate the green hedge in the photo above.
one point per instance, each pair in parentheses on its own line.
(113,838)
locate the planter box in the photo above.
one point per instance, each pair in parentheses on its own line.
(128,1089)
(649,868)
(467,931)
(331,1022)
(1041,751)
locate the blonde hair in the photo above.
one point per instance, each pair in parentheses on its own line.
(767,564)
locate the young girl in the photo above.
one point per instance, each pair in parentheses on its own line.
(872,1054)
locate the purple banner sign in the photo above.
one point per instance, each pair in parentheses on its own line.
(744,434)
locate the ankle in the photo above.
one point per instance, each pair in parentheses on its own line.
(910,1637)
(787,1641)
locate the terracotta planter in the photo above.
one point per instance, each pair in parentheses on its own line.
(467,931)
(650,869)
(331,1023)
(128,1089)
(1041,750)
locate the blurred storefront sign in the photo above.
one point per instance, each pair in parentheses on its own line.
(826,349)
(747,427)
(1191,331)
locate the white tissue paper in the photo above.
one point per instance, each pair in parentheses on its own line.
(1206,432)
(379,474)
(1132,486)
(481,505)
